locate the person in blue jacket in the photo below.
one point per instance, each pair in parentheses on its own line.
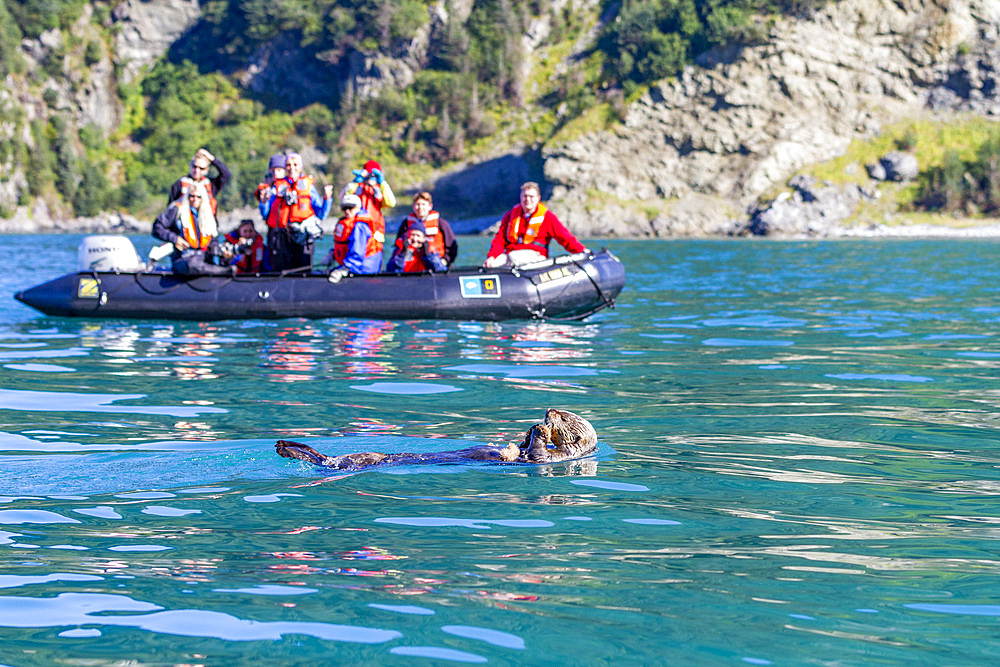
(355,248)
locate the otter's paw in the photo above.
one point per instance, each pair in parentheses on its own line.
(539,438)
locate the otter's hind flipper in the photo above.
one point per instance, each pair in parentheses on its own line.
(296,450)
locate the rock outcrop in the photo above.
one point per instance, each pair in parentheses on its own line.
(148,28)
(706,153)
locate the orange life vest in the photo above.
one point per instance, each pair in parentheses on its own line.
(432,230)
(189,230)
(272,215)
(373,204)
(342,236)
(298,212)
(521,233)
(187,182)
(249,263)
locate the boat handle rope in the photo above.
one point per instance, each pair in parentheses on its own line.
(228,280)
(135,276)
(610,303)
(177,286)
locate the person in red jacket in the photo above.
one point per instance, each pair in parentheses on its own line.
(526,230)
(413,253)
(439,237)
(248,248)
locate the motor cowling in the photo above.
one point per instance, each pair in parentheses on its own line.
(108,252)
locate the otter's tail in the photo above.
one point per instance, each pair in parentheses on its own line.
(296,450)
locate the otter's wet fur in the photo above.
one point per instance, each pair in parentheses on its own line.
(562,436)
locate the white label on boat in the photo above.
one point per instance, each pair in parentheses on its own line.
(480,287)
(555,274)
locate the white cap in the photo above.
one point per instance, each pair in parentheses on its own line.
(350,200)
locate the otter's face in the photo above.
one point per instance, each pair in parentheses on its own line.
(569,428)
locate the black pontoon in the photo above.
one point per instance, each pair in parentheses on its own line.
(570,287)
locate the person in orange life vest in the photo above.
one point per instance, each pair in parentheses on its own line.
(200,165)
(275,173)
(354,246)
(190,226)
(416,254)
(299,210)
(440,238)
(370,185)
(526,230)
(248,248)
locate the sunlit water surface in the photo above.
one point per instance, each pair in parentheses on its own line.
(798,465)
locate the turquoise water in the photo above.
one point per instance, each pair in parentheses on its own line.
(798,465)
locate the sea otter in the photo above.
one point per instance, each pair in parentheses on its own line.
(562,436)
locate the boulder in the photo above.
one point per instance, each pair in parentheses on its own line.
(900,166)
(811,209)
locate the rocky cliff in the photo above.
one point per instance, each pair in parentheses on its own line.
(694,156)
(695,152)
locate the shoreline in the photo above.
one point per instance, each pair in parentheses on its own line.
(123,223)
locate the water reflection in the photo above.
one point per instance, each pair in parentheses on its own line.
(528,343)
(367,346)
(293,359)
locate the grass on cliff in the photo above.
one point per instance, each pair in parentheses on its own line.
(953,155)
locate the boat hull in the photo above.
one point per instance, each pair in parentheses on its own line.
(570,287)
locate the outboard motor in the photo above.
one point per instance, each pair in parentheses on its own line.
(108,252)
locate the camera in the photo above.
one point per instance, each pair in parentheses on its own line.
(240,247)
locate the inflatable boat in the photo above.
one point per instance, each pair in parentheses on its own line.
(570,287)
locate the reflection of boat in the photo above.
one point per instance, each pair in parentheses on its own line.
(569,287)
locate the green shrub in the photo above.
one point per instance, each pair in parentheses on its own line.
(36,16)
(654,39)
(10,42)
(91,195)
(407,20)
(93,52)
(964,186)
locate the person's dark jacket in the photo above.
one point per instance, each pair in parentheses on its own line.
(167,228)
